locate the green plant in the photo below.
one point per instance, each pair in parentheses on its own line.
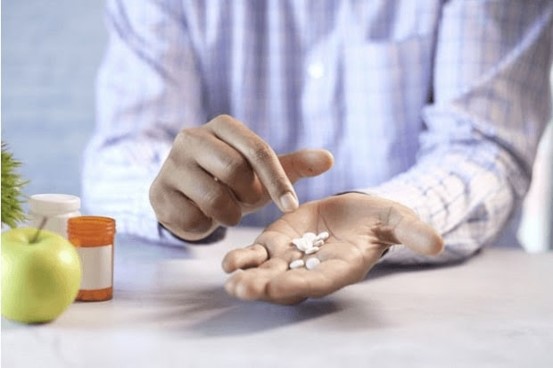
(12,212)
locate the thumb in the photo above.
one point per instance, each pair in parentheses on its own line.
(418,236)
(306,163)
(400,225)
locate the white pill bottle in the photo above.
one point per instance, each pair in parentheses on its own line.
(56,209)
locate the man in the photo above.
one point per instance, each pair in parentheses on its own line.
(429,111)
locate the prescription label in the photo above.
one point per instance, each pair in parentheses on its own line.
(97,267)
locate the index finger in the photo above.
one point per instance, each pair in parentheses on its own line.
(261,157)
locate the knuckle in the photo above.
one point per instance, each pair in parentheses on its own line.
(188,220)
(157,194)
(234,167)
(213,198)
(249,289)
(233,218)
(252,198)
(196,224)
(222,207)
(182,137)
(163,209)
(164,218)
(185,147)
(186,217)
(164,215)
(186,136)
(260,152)
(277,182)
(223,119)
(182,140)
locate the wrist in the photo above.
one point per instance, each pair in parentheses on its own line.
(214,235)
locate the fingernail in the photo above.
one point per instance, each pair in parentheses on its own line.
(288,202)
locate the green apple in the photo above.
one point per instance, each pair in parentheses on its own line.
(41,275)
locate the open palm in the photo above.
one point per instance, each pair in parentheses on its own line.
(361,228)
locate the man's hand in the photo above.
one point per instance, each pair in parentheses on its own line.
(218,172)
(361,228)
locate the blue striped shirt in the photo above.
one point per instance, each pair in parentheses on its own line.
(438,105)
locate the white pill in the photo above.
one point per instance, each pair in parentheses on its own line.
(297,241)
(310,236)
(312,262)
(323,235)
(297,263)
(318,243)
(312,250)
(302,244)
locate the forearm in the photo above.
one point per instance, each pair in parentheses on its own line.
(466,194)
(116,180)
(491,102)
(148,89)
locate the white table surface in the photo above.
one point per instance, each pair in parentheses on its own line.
(170,309)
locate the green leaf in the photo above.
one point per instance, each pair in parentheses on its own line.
(12,196)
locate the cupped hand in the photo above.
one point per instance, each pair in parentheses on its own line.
(218,172)
(361,228)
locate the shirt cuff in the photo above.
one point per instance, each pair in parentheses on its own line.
(217,235)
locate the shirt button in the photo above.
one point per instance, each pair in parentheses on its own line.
(316,70)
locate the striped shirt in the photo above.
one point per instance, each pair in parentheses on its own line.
(435,104)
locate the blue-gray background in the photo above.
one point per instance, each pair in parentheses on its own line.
(51,51)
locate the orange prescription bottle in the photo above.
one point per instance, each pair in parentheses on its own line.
(93,237)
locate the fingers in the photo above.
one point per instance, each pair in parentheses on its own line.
(261,157)
(268,244)
(252,256)
(223,170)
(226,164)
(179,215)
(306,163)
(211,197)
(251,284)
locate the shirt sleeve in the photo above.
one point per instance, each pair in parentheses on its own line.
(491,103)
(148,89)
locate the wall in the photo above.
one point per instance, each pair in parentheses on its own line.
(50,53)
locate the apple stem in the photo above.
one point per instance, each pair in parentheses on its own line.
(40,227)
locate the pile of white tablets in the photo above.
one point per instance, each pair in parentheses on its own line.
(309,243)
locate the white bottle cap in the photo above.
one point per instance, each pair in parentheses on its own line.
(54,204)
